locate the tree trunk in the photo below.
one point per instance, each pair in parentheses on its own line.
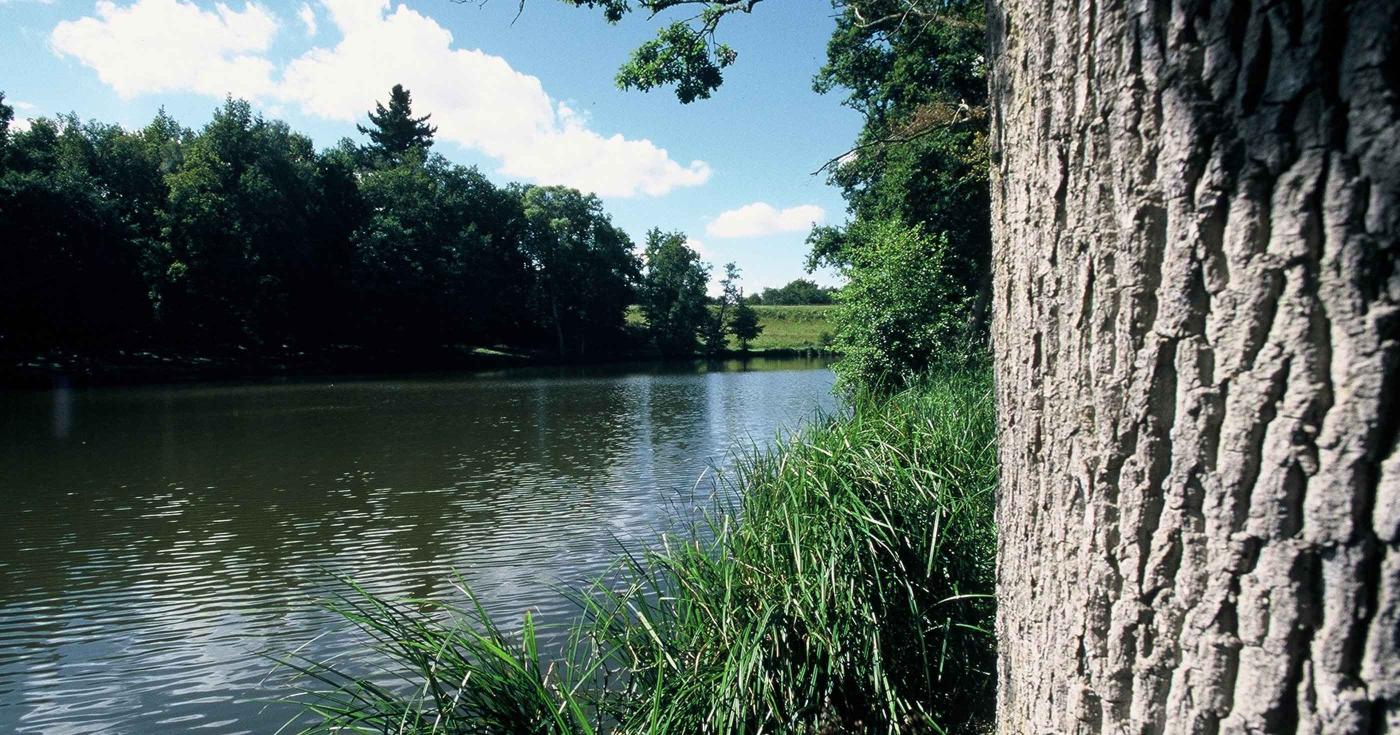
(1198,367)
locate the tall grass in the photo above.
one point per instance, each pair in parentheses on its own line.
(850,592)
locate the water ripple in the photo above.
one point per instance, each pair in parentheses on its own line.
(177,537)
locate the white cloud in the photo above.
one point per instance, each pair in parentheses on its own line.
(308,19)
(761,218)
(173,46)
(698,246)
(21,122)
(477,100)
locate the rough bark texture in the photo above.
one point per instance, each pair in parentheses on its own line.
(1196,323)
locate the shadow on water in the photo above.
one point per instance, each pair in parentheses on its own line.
(160,540)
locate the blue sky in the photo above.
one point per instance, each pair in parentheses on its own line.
(529,100)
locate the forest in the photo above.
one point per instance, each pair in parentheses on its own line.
(242,236)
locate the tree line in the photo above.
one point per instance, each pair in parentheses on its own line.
(242,236)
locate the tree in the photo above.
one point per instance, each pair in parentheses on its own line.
(78,211)
(584,267)
(672,293)
(744,324)
(1194,233)
(1196,225)
(394,131)
(717,331)
(238,227)
(921,157)
(796,292)
(424,271)
(7,116)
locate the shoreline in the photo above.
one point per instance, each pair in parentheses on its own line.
(46,371)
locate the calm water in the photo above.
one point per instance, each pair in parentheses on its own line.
(159,542)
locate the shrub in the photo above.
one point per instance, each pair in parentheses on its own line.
(901,312)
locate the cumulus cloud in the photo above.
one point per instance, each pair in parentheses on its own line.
(761,218)
(476,99)
(698,246)
(173,46)
(308,19)
(24,115)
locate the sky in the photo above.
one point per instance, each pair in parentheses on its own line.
(528,98)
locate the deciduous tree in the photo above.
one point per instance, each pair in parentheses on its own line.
(1197,331)
(672,292)
(744,324)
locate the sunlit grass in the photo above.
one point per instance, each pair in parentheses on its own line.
(851,593)
(798,327)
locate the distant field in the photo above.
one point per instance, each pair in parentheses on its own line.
(792,327)
(784,327)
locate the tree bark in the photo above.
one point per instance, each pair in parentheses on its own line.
(1197,347)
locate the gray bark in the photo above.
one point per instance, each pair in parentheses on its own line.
(1196,323)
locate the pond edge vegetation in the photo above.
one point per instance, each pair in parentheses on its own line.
(848,588)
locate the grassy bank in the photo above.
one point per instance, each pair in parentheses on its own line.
(784,327)
(852,593)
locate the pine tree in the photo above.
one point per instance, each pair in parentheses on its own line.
(394,130)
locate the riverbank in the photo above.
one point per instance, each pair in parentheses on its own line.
(789,331)
(853,593)
(146,367)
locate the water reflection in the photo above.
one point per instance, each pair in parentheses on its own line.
(159,539)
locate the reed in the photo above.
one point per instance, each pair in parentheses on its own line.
(848,591)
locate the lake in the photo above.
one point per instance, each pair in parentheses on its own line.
(161,542)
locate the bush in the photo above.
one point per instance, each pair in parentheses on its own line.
(901,312)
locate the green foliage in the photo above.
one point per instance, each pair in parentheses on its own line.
(916,72)
(472,676)
(716,335)
(921,157)
(425,252)
(901,311)
(79,222)
(238,224)
(242,236)
(672,293)
(744,324)
(684,54)
(680,56)
(584,267)
(7,116)
(852,593)
(394,132)
(798,291)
